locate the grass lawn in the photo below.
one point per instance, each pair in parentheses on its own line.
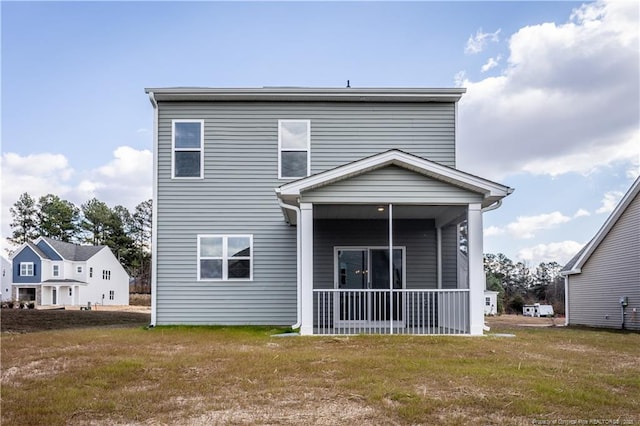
(207,375)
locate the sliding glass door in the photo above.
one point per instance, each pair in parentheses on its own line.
(363,274)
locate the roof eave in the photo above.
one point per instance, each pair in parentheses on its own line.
(604,230)
(181,94)
(571,272)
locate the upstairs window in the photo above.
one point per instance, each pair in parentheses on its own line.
(187,148)
(79,269)
(294,141)
(26,269)
(56,270)
(225,257)
(106,275)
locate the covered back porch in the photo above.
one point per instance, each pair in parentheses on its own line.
(391,244)
(424,289)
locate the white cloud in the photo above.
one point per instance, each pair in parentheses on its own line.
(581,213)
(460,78)
(634,171)
(560,252)
(610,201)
(38,174)
(476,43)
(567,100)
(493,231)
(525,227)
(125,180)
(491,63)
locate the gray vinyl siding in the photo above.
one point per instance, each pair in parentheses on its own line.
(417,236)
(391,185)
(612,271)
(450,246)
(236,195)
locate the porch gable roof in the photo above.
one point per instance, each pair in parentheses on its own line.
(491,191)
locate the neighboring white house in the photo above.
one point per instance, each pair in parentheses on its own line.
(6,279)
(53,272)
(490,302)
(602,281)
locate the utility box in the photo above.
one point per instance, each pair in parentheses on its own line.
(537,310)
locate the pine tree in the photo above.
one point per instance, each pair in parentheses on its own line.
(24,223)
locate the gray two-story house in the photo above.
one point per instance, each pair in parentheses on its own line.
(335,211)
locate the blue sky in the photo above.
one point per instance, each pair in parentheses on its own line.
(551,107)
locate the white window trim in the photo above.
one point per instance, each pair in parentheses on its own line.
(173,148)
(225,257)
(294,150)
(53,270)
(79,269)
(26,264)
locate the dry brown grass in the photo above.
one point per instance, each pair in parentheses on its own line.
(138,299)
(218,375)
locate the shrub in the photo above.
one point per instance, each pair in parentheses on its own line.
(515,304)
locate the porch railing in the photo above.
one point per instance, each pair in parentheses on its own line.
(374,311)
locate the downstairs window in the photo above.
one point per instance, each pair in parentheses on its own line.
(225,257)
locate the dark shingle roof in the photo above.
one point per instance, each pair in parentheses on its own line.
(71,251)
(37,250)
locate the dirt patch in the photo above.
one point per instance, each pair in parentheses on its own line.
(33,320)
(522,321)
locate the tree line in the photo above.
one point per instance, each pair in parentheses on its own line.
(127,234)
(517,284)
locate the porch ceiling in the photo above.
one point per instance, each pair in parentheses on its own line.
(359,211)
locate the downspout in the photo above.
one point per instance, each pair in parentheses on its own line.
(154,218)
(566,300)
(298,264)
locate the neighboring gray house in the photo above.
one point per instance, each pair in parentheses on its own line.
(602,281)
(281,206)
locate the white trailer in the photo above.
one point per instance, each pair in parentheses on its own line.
(537,310)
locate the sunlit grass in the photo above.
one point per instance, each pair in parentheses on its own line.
(203,375)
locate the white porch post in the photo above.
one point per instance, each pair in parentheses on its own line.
(391,307)
(476,270)
(306,224)
(57,295)
(439,255)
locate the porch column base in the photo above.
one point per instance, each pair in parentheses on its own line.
(306,330)
(476,330)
